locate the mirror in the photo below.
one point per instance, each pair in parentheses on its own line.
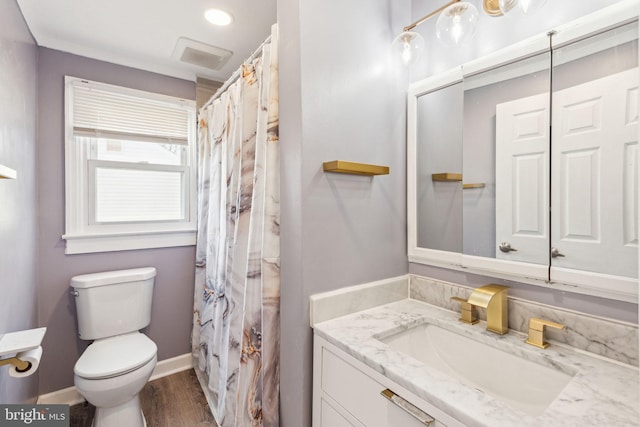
(594,169)
(528,171)
(439,159)
(506,157)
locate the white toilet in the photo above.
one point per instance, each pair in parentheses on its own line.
(112,307)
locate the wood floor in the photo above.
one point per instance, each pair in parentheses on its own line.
(173,401)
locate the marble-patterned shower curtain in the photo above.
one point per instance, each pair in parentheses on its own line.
(236,331)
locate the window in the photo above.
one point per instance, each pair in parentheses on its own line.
(129,170)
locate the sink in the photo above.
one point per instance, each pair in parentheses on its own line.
(518,382)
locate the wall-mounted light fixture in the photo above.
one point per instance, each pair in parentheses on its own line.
(456,24)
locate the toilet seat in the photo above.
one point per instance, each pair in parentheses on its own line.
(115,356)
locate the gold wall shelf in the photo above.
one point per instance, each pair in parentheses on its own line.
(475,185)
(7,173)
(341,166)
(455,177)
(446,177)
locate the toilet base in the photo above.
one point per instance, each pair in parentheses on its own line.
(128,414)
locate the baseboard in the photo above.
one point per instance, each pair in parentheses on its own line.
(66,396)
(171,366)
(70,395)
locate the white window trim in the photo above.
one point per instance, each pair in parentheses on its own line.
(83,237)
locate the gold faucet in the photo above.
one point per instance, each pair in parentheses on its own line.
(536,331)
(494,299)
(468,312)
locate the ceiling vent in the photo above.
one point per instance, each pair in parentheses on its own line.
(201,54)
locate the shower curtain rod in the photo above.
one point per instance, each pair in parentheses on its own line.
(235,75)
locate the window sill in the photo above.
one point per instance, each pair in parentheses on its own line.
(92,243)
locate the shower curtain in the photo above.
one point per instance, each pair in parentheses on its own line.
(236,333)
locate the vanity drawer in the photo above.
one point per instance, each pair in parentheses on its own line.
(352,389)
(332,417)
(352,398)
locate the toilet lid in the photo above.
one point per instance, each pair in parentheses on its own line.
(115,356)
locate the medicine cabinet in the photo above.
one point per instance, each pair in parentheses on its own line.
(524,164)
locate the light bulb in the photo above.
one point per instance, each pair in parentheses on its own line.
(524,6)
(457,23)
(506,5)
(408,46)
(530,6)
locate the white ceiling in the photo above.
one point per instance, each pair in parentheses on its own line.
(143,33)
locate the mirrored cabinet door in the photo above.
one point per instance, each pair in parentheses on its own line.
(439,169)
(594,156)
(506,161)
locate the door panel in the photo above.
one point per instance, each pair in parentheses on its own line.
(594,171)
(580,198)
(522,177)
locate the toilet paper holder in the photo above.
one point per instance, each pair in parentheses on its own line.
(21,365)
(18,342)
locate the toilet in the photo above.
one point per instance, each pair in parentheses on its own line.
(112,307)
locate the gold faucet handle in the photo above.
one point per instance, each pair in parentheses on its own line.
(468,312)
(536,331)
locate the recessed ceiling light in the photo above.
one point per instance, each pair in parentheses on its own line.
(218,17)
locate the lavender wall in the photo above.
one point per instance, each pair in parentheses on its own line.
(340,98)
(173,295)
(18,226)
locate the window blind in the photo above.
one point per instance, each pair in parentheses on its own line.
(102,113)
(129,195)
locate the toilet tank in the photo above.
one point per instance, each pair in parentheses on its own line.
(113,302)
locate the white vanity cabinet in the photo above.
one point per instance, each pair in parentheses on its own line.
(348,393)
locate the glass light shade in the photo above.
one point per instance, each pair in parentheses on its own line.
(507,5)
(524,6)
(457,23)
(408,46)
(530,6)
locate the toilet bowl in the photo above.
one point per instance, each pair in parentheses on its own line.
(112,307)
(111,373)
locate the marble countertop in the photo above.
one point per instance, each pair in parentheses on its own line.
(602,392)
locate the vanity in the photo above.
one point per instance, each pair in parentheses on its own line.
(407,362)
